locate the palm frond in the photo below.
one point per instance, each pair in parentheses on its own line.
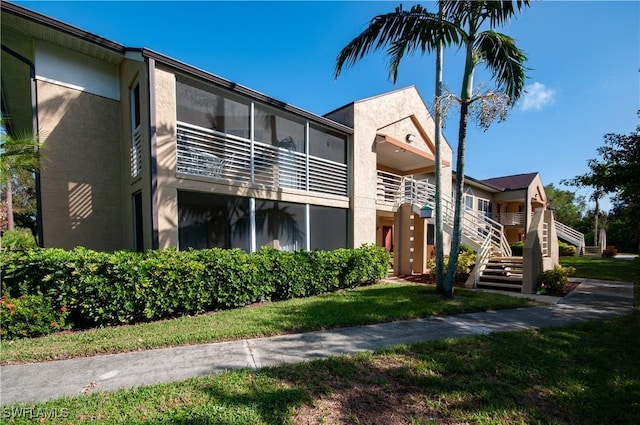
(475,12)
(422,32)
(385,30)
(505,60)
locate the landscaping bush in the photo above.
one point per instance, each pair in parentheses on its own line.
(517,248)
(19,239)
(554,281)
(29,316)
(127,287)
(566,250)
(466,263)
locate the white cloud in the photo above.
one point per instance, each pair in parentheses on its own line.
(537,96)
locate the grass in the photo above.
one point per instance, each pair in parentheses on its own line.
(581,374)
(368,305)
(586,374)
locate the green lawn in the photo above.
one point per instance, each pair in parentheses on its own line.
(367,305)
(581,374)
(585,374)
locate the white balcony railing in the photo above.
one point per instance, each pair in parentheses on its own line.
(211,154)
(510,219)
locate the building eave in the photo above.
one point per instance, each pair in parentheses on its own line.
(237,88)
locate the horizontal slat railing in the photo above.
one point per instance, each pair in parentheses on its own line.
(476,226)
(208,153)
(570,235)
(510,219)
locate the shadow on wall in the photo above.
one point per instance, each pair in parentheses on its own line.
(81,176)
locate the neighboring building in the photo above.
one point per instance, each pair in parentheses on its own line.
(143,152)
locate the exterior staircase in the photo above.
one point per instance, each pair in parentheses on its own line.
(501,273)
(572,236)
(480,232)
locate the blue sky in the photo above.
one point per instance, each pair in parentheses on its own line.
(584,57)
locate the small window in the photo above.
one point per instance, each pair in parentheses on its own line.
(136,131)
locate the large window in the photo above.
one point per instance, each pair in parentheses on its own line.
(280,225)
(208,221)
(218,221)
(328,145)
(328,227)
(273,128)
(201,105)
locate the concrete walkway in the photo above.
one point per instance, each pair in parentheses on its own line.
(592,299)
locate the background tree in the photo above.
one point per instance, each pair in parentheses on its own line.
(616,172)
(568,208)
(20,158)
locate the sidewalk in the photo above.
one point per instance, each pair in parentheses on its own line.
(592,299)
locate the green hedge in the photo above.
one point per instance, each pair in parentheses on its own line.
(99,288)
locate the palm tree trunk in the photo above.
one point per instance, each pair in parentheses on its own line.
(459,206)
(465,98)
(9,188)
(439,236)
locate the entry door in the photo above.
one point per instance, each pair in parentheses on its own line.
(387,238)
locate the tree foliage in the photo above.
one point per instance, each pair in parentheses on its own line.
(20,158)
(568,208)
(616,171)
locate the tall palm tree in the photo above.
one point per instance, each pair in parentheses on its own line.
(460,23)
(19,154)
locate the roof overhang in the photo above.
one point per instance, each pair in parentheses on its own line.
(398,155)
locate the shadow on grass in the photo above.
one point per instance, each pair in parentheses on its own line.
(380,304)
(583,374)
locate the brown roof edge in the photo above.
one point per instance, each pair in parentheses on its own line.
(60,26)
(480,182)
(513,182)
(237,88)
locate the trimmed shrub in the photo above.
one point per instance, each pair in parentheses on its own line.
(566,250)
(124,287)
(29,316)
(466,263)
(610,251)
(19,239)
(554,281)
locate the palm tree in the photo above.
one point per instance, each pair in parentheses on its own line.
(19,154)
(461,24)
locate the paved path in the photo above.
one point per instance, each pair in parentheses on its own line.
(42,381)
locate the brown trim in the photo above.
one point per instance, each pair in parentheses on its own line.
(412,149)
(423,133)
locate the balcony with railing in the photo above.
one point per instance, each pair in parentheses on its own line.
(209,154)
(511,219)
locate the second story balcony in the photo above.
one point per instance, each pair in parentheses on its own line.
(211,154)
(511,219)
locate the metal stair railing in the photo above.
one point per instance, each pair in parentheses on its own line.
(475,226)
(486,234)
(570,235)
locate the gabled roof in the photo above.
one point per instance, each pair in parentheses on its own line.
(515,182)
